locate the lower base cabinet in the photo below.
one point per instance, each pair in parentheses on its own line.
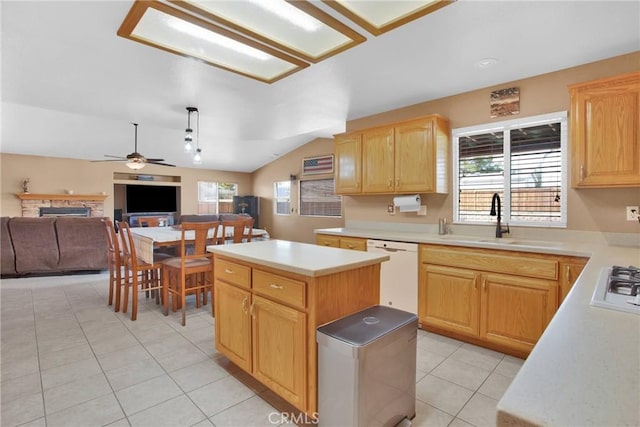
(500,299)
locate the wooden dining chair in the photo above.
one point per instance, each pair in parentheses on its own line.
(242,229)
(115,256)
(139,275)
(192,271)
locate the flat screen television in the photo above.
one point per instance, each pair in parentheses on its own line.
(151,198)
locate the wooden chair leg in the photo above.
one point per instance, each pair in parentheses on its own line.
(127,284)
(134,299)
(112,283)
(183,286)
(165,290)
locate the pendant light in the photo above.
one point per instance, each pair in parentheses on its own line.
(197,157)
(188,136)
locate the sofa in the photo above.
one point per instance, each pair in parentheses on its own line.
(32,246)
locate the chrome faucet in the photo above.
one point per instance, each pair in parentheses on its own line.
(499,229)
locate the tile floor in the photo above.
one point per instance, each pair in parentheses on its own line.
(69,360)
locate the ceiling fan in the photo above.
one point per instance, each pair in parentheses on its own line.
(136,160)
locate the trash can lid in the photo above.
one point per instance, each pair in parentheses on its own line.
(367,325)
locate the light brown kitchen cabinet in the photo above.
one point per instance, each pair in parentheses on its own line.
(516,310)
(266,320)
(354,243)
(348,159)
(605,141)
(449,299)
(570,269)
(403,157)
(495,298)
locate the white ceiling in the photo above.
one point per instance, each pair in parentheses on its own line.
(70,86)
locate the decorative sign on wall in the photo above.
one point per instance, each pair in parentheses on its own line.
(505,102)
(317,165)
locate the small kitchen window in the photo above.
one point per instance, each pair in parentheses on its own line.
(282,196)
(522,160)
(318,198)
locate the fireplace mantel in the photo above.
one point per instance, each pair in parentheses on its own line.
(88,197)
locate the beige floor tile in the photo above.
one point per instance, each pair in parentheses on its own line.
(251,412)
(74,371)
(444,346)
(65,356)
(179,411)
(147,394)
(478,356)
(159,332)
(495,385)
(122,358)
(426,360)
(97,412)
(479,411)
(39,422)
(23,410)
(181,358)
(199,374)
(122,422)
(428,416)
(19,351)
(220,395)
(76,392)
(54,344)
(166,344)
(18,368)
(509,366)
(134,373)
(204,423)
(442,394)
(457,422)
(111,344)
(461,373)
(20,387)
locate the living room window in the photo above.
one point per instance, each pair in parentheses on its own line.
(216,197)
(282,196)
(522,160)
(317,198)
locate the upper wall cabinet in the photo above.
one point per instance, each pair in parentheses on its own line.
(406,157)
(605,144)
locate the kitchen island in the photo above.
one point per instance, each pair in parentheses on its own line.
(270,297)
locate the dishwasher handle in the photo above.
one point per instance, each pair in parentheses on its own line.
(390,249)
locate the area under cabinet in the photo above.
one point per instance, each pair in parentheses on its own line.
(499,299)
(266,317)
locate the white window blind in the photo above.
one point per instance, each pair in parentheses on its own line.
(282,196)
(530,181)
(317,198)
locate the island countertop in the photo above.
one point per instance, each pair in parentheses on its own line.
(301,258)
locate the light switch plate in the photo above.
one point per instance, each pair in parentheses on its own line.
(423,210)
(633,213)
(391,209)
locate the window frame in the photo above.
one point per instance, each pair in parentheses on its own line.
(276,198)
(300,183)
(506,126)
(215,202)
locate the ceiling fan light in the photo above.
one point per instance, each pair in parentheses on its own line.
(135,164)
(197,158)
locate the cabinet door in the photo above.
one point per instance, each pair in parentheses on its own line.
(414,157)
(516,310)
(448,299)
(329,241)
(377,161)
(569,272)
(353,243)
(605,116)
(279,349)
(348,153)
(233,324)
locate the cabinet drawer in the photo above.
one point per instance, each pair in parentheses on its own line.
(279,288)
(353,243)
(330,241)
(232,273)
(500,262)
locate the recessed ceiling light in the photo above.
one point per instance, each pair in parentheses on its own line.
(486,63)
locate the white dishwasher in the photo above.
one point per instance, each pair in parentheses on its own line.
(399,275)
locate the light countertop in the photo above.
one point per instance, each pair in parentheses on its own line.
(300,258)
(585,369)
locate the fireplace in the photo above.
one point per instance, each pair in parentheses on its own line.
(65,211)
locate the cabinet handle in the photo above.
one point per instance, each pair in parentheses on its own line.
(226,270)
(350,246)
(251,310)
(390,183)
(567,274)
(398,182)
(484,283)
(244,305)
(327,243)
(275,286)
(581,172)
(475,282)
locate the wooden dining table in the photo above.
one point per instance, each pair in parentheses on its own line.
(146,239)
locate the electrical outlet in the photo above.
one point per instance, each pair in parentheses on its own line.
(423,210)
(391,209)
(633,213)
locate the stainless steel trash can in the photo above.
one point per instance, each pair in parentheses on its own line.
(367,368)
